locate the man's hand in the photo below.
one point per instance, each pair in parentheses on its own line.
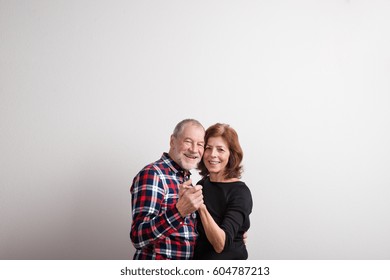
(245,237)
(190,198)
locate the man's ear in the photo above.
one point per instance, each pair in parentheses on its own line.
(171,142)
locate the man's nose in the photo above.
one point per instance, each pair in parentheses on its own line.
(193,147)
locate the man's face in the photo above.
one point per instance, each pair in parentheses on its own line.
(188,147)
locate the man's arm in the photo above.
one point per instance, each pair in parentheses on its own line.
(149,222)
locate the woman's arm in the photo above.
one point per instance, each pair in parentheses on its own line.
(214,233)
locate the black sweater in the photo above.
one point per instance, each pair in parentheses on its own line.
(230,205)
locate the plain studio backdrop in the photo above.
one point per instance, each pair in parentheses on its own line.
(91,91)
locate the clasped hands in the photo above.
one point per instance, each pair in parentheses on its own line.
(190,198)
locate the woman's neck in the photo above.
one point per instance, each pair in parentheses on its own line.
(220,178)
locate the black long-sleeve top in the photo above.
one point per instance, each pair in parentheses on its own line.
(230,205)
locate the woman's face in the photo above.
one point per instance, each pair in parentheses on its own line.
(216,155)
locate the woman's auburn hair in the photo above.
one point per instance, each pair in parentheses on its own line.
(234,168)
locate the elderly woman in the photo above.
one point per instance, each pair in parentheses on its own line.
(224,216)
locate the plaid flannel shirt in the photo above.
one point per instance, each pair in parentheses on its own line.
(158,231)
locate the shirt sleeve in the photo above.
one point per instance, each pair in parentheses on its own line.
(237,214)
(150,221)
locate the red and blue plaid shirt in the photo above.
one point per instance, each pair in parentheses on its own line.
(158,231)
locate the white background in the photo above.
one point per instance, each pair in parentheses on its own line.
(90,92)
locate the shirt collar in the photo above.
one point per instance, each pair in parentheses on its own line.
(176,168)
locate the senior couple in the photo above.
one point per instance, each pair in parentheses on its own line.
(173,218)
